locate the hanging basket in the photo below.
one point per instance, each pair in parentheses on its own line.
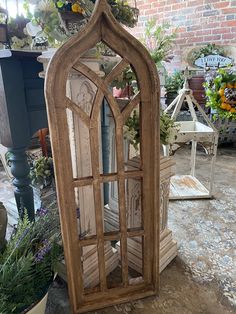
(72,21)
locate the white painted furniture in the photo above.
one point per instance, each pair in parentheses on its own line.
(193,132)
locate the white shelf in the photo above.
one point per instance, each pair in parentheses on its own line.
(187,187)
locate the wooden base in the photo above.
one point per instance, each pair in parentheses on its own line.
(187,187)
(168,251)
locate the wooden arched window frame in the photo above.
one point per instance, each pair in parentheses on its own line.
(102,27)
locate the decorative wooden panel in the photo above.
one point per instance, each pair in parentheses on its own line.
(104,28)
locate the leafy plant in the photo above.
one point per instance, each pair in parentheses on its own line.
(124,13)
(41,171)
(127,79)
(174,82)
(46,16)
(27,263)
(159,40)
(220,94)
(167,125)
(132,130)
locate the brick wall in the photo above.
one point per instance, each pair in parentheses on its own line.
(199,22)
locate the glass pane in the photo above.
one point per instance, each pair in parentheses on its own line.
(135,259)
(134,202)
(79,145)
(90,266)
(81,91)
(111,208)
(84,197)
(113,269)
(109,164)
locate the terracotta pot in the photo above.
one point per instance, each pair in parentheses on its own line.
(195,83)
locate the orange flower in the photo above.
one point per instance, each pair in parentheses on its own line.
(228,107)
(233,110)
(224,106)
(221,92)
(230,85)
(223,99)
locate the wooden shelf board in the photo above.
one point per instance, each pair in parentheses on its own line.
(187,187)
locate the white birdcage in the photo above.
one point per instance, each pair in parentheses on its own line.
(188,186)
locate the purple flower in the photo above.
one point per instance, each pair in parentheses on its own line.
(41,212)
(46,247)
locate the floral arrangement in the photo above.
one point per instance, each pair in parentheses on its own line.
(41,171)
(122,11)
(27,262)
(221,93)
(49,15)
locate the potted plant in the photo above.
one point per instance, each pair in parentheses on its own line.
(42,180)
(125,85)
(19,39)
(27,263)
(173,83)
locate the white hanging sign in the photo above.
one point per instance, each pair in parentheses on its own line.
(213,61)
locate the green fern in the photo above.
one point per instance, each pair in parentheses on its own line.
(26,265)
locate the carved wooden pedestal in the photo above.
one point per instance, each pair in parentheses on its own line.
(168,246)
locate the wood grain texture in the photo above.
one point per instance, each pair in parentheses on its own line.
(103,27)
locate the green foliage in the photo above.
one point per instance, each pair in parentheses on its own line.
(46,15)
(124,13)
(26,8)
(209,49)
(174,82)
(127,78)
(166,128)
(159,40)
(41,171)
(215,94)
(132,129)
(26,264)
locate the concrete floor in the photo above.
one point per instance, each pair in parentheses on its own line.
(202,279)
